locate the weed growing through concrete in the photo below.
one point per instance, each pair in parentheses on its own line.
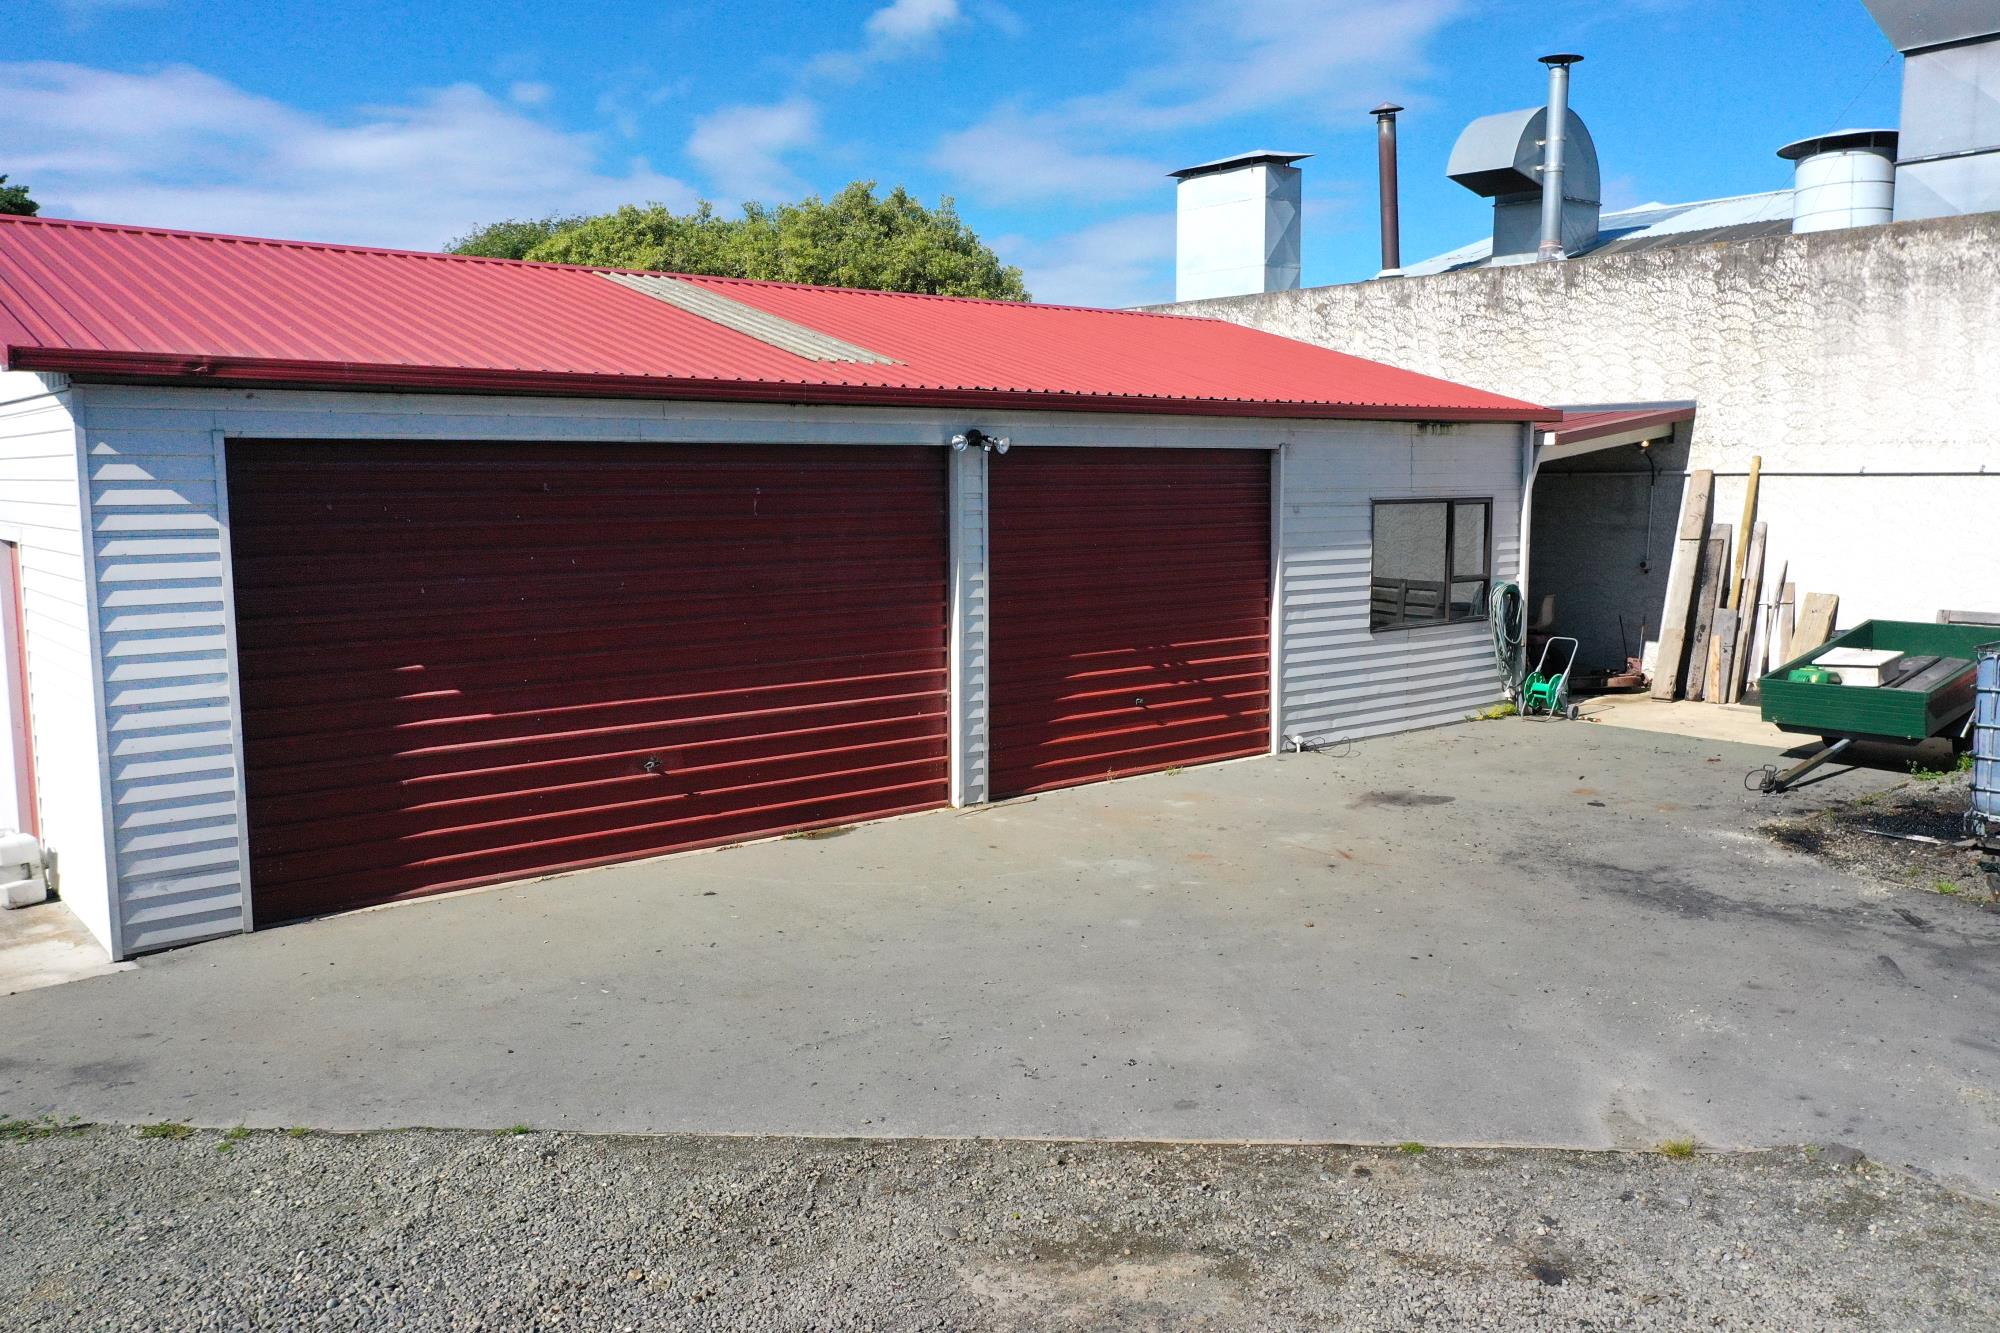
(41,1127)
(1679,1149)
(513,1131)
(297,1132)
(1496,712)
(1922,773)
(820,834)
(231,1137)
(1947,887)
(1413,1148)
(166,1129)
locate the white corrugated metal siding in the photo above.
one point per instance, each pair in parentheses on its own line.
(969,649)
(159,549)
(1336,677)
(40,510)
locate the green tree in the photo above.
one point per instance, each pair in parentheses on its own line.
(854,239)
(511,239)
(651,238)
(14,199)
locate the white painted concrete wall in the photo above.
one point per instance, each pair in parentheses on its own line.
(161,563)
(1862,365)
(40,510)
(1336,676)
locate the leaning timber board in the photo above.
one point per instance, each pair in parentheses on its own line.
(1677,619)
(1707,597)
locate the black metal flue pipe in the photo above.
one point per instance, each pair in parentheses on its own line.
(1385,156)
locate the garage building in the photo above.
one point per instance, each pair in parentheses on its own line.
(337,576)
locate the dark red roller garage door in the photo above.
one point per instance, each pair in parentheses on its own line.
(471,662)
(1131,612)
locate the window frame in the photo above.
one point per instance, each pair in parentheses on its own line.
(1451,572)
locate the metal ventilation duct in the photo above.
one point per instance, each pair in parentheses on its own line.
(1950,146)
(1845,179)
(1500,157)
(1912,25)
(1236,225)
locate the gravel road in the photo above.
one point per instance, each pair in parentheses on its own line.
(107,1228)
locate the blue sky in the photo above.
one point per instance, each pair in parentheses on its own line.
(1052,124)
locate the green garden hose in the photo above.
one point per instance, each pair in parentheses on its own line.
(1508,615)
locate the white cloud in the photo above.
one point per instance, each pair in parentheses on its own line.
(1215,61)
(1126,261)
(907,22)
(897,29)
(84,10)
(179,147)
(632,94)
(1240,57)
(1013,157)
(742,149)
(527,92)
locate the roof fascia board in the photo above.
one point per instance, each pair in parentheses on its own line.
(246,372)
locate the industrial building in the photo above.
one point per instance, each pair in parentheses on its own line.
(1839,334)
(347,575)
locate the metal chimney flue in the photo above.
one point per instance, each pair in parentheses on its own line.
(1385,157)
(1552,155)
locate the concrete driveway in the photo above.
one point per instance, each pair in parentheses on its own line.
(1553,934)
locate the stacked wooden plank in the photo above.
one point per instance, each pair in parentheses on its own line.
(1725,624)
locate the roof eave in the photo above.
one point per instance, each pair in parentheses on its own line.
(247,372)
(1616,424)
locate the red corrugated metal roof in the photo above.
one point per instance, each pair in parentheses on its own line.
(93,299)
(1582,427)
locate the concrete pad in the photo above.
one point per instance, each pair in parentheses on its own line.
(1741,723)
(45,945)
(1502,932)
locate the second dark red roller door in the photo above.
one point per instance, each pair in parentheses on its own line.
(1131,612)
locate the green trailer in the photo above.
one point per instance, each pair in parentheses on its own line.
(1930,696)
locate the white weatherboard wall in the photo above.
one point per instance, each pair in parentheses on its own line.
(158,517)
(40,511)
(969,551)
(1337,677)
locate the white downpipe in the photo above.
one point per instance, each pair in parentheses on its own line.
(1531,462)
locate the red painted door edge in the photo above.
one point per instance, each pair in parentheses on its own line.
(29,795)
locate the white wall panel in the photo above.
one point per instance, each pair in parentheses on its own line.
(969,647)
(1335,676)
(158,555)
(40,510)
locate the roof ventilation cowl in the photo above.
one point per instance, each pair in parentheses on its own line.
(1843,179)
